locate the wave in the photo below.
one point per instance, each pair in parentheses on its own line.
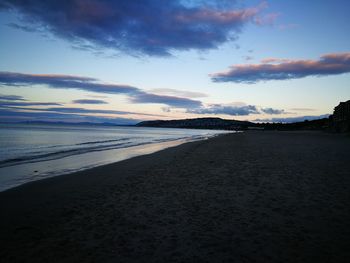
(102,145)
(106,141)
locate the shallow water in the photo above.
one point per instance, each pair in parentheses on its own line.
(31,152)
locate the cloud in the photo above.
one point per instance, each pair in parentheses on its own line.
(175,102)
(268,19)
(19,101)
(166,109)
(73,110)
(293,119)
(25,103)
(98,96)
(179,93)
(84,101)
(11,97)
(275,60)
(29,29)
(227,110)
(63,82)
(247,58)
(95,111)
(10,115)
(272,111)
(134,94)
(234,109)
(150,27)
(303,109)
(282,69)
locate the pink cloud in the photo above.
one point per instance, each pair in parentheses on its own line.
(206,15)
(281,69)
(268,19)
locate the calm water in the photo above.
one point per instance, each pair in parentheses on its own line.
(32,152)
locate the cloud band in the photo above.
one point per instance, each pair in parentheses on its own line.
(282,69)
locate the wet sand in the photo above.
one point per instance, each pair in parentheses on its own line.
(247,197)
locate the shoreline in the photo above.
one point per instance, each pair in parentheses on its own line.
(103,166)
(39,170)
(243,197)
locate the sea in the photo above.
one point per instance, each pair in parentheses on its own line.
(30,152)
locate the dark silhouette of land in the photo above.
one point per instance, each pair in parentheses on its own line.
(222,124)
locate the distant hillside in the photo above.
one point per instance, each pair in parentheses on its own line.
(199,123)
(222,124)
(320,124)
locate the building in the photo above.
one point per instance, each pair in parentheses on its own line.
(341,117)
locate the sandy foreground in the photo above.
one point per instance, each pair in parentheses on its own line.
(247,197)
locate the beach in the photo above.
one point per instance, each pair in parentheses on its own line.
(256,196)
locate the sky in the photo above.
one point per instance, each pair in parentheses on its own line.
(127,61)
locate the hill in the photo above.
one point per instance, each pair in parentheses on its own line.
(199,123)
(222,124)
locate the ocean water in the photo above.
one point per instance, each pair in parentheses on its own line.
(31,152)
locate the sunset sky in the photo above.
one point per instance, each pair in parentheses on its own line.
(124,61)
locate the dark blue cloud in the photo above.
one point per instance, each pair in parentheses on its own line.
(86,101)
(227,110)
(152,27)
(282,69)
(76,110)
(63,82)
(134,94)
(9,115)
(11,97)
(26,103)
(19,101)
(272,111)
(95,111)
(18,114)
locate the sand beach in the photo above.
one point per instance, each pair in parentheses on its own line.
(244,197)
